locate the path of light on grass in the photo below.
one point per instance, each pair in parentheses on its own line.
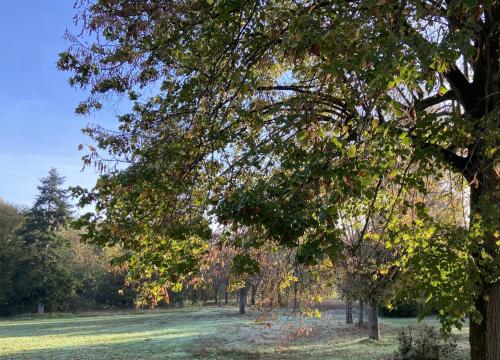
(217,333)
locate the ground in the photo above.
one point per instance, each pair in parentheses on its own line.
(198,333)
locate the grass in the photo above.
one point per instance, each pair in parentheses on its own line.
(197,333)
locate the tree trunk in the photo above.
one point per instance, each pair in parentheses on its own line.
(484,337)
(243,299)
(373,327)
(216,293)
(348,312)
(40,308)
(360,314)
(225,295)
(252,295)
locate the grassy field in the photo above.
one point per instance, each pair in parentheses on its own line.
(197,333)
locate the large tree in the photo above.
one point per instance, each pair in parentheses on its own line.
(50,280)
(276,112)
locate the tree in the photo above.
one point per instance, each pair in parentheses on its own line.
(51,210)
(11,255)
(266,105)
(50,213)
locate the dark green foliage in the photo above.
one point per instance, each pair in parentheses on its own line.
(50,212)
(41,262)
(402,309)
(424,343)
(12,255)
(50,281)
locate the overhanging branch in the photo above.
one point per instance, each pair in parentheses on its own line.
(434,100)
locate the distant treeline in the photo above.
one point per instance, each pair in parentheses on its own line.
(45,267)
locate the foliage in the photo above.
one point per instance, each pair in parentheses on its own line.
(424,343)
(12,254)
(42,262)
(277,114)
(402,309)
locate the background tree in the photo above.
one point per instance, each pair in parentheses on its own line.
(12,254)
(50,212)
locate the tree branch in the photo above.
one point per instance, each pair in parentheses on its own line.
(338,103)
(434,100)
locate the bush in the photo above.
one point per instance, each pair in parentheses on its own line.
(424,343)
(402,309)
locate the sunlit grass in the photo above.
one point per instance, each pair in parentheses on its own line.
(218,333)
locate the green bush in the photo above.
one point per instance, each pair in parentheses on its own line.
(424,343)
(401,309)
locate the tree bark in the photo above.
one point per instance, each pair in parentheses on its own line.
(373,327)
(225,295)
(484,334)
(252,295)
(348,312)
(360,314)
(243,299)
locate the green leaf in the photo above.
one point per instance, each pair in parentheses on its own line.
(469,4)
(351,151)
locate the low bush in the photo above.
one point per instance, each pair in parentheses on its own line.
(424,343)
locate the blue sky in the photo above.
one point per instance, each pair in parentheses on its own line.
(38,126)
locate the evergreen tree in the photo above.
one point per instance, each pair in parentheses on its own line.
(50,212)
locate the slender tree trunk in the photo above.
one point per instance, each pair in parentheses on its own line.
(40,308)
(373,327)
(225,295)
(252,295)
(348,312)
(360,314)
(243,299)
(484,336)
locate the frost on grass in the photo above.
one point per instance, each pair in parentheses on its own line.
(195,332)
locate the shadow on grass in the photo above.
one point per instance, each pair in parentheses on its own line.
(118,324)
(132,348)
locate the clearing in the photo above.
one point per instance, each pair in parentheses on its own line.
(198,333)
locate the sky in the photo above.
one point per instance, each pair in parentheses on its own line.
(38,125)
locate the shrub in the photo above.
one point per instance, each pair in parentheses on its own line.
(401,309)
(424,343)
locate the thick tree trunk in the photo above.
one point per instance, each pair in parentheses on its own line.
(348,312)
(360,313)
(484,337)
(243,299)
(373,327)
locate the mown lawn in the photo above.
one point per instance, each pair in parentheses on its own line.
(197,333)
